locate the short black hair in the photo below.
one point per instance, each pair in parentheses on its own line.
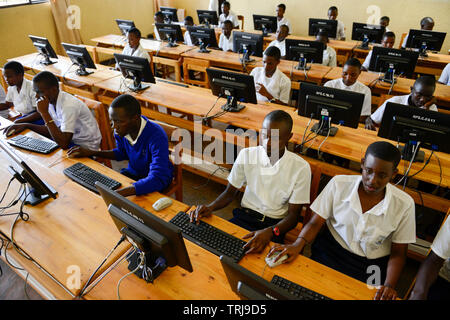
(353,62)
(159,14)
(426,20)
(286,26)
(226,3)
(46,77)
(282,6)
(322,33)
(273,51)
(228,22)
(385,151)
(189,18)
(428,81)
(15,66)
(127,102)
(389,34)
(385,18)
(135,31)
(333,8)
(280,116)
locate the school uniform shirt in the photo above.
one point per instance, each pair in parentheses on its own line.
(279,85)
(340,32)
(366,62)
(445,75)
(329,57)
(226,43)
(441,247)
(25,100)
(138,52)
(148,157)
(280,45)
(270,188)
(155,31)
(356,87)
(369,234)
(187,38)
(3,113)
(285,22)
(231,16)
(72,115)
(377,116)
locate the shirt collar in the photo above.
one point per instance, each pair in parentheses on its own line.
(128,137)
(349,87)
(265,160)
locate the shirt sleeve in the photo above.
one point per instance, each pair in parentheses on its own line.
(323,205)
(366,63)
(221,40)
(445,75)
(70,114)
(9,95)
(332,62)
(441,243)
(300,193)
(285,89)
(406,231)
(367,105)
(237,175)
(2,95)
(377,116)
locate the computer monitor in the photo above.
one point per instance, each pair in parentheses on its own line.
(425,40)
(170,14)
(393,62)
(304,52)
(367,33)
(159,241)
(411,125)
(267,24)
(208,17)
(125,26)
(45,49)
(80,57)
(172,32)
(236,87)
(329,105)
(249,44)
(36,190)
(315,25)
(203,37)
(135,68)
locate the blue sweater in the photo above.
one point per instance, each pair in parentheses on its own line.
(148,158)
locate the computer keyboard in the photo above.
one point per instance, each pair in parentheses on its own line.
(87,177)
(33,144)
(209,237)
(297,290)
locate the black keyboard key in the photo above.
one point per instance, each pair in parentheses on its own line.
(33,144)
(297,290)
(87,177)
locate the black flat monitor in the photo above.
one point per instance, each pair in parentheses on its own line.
(208,17)
(203,37)
(125,26)
(393,62)
(315,25)
(329,105)
(36,190)
(266,24)
(304,52)
(80,57)
(425,40)
(135,68)
(171,32)
(160,242)
(411,125)
(44,48)
(170,14)
(249,44)
(367,33)
(236,87)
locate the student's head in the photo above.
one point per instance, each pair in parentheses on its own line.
(226,7)
(271,59)
(379,166)
(159,17)
(227,28)
(282,32)
(351,71)
(134,36)
(281,9)
(332,13)
(276,130)
(125,114)
(13,72)
(322,36)
(384,21)
(427,23)
(388,39)
(422,91)
(46,84)
(188,21)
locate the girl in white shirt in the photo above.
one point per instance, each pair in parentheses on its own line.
(329,54)
(133,47)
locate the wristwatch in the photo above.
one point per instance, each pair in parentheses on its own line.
(276,231)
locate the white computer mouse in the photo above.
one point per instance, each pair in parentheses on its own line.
(10,132)
(162,203)
(270,259)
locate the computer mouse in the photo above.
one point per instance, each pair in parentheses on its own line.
(162,203)
(10,132)
(270,259)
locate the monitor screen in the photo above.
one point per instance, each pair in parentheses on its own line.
(402,61)
(269,23)
(315,25)
(312,51)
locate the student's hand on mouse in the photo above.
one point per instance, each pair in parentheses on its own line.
(14,129)
(290,249)
(200,212)
(42,104)
(385,293)
(430,103)
(260,239)
(79,152)
(370,125)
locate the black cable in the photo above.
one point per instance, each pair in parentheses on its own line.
(426,163)
(7,188)
(206,115)
(25,286)
(209,178)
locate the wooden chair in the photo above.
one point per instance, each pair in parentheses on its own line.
(199,66)
(166,63)
(402,38)
(241,19)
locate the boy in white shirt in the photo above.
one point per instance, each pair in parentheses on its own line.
(226,39)
(445,75)
(159,18)
(279,42)
(426,23)
(329,54)
(20,94)
(349,81)
(369,222)
(271,84)
(228,15)
(332,15)
(133,47)
(68,121)
(384,22)
(387,42)
(188,21)
(421,96)
(433,277)
(281,19)
(277,185)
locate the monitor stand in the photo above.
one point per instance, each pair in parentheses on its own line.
(81,71)
(46,61)
(137,85)
(172,43)
(324,130)
(423,51)
(232,105)
(32,198)
(150,261)
(264,30)
(203,47)
(302,64)
(389,76)
(407,153)
(364,44)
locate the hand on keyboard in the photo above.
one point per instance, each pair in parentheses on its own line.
(200,212)
(260,239)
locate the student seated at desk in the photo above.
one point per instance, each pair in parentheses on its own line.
(142,142)
(426,23)
(332,15)
(159,18)
(133,47)
(228,15)
(279,42)
(5,112)
(271,84)
(277,185)
(387,42)
(226,38)
(67,120)
(20,94)
(349,81)
(188,21)
(384,22)
(421,96)
(329,54)
(433,277)
(281,19)
(445,75)
(369,222)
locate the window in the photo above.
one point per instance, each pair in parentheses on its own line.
(11,3)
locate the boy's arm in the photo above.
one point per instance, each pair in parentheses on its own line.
(34,116)
(426,276)
(6,105)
